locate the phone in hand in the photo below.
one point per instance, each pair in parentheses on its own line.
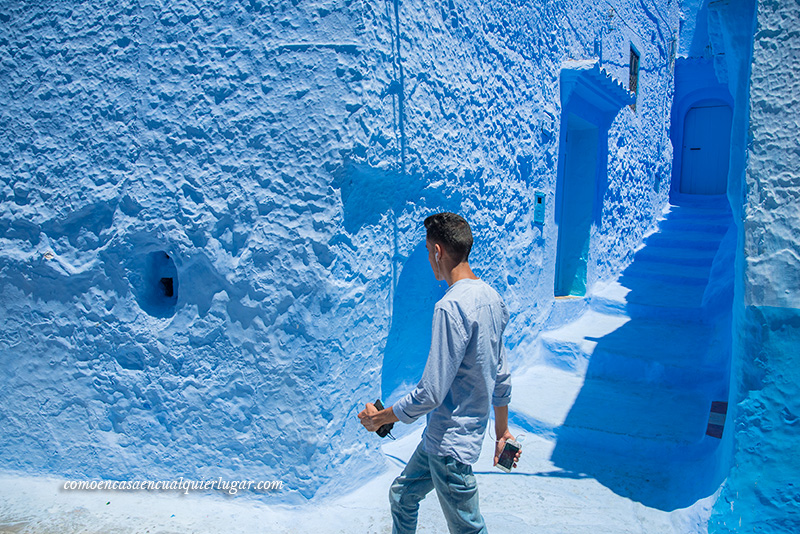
(387,428)
(506,460)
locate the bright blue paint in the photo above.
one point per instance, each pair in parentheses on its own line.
(706,150)
(762,493)
(591,100)
(272,174)
(576,200)
(696,86)
(644,406)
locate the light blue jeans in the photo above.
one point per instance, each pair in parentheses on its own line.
(455,486)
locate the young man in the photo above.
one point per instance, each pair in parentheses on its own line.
(466,371)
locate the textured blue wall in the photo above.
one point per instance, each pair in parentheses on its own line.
(209,133)
(761,493)
(282,157)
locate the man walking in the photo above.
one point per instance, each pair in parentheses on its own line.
(466,372)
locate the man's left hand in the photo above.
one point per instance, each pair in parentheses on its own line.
(500,444)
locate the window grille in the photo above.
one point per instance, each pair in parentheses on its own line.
(633,84)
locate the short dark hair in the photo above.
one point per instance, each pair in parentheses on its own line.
(452,232)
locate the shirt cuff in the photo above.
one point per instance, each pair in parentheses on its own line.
(499,402)
(399,410)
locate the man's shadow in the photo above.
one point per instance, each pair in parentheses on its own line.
(409,338)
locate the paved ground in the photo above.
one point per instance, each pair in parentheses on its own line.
(538,498)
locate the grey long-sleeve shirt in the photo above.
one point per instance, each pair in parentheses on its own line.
(466,372)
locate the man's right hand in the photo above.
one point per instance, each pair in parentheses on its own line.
(372,419)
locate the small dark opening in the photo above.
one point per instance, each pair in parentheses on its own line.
(166,285)
(159,285)
(539,200)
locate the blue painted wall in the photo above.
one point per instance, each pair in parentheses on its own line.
(761,493)
(282,156)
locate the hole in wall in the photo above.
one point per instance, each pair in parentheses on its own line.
(158,293)
(166,285)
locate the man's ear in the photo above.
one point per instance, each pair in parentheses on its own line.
(437,251)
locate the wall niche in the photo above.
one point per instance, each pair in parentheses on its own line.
(158,291)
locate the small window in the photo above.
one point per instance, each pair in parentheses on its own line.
(673,45)
(633,84)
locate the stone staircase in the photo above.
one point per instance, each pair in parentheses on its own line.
(641,367)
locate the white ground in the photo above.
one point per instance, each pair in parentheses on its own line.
(537,497)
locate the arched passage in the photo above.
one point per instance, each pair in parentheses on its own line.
(700,130)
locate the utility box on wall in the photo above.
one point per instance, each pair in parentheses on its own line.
(538,207)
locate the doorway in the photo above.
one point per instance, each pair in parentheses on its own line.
(576,202)
(706,150)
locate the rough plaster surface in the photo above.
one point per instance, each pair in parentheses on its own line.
(772,224)
(761,494)
(282,155)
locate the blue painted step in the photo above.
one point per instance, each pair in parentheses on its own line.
(705,202)
(675,256)
(682,239)
(629,417)
(641,297)
(674,273)
(650,360)
(639,350)
(717,225)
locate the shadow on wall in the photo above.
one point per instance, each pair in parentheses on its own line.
(410,335)
(368,193)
